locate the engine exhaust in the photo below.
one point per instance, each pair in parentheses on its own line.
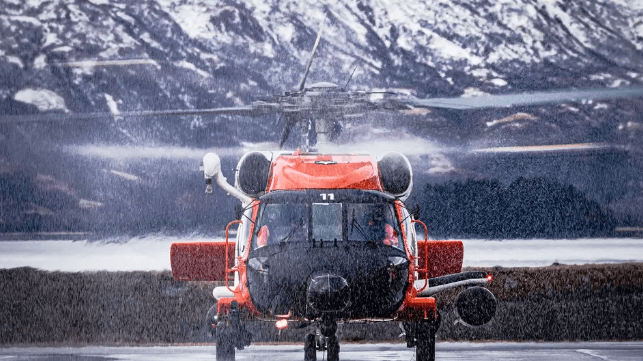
(439,284)
(476,306)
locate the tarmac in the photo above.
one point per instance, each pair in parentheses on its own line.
(445,351)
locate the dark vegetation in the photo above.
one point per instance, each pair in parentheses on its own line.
(555,303)
(175,202)
(168,197)
(527,208)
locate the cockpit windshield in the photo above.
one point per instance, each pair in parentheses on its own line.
(340,221)
(282,223)
(373,222)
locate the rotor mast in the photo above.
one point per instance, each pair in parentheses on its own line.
(312,55)
(322,125)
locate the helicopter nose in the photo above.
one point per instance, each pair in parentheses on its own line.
(328,293)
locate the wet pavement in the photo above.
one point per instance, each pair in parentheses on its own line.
(571,351)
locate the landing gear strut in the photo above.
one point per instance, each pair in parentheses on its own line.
(325,339)
(231,334)
(421,335)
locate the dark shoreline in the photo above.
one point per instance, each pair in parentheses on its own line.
(46,236)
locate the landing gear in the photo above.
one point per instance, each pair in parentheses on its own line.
(314,343)
(231,334)
(421,335)
(425,343)
(324,339)
(225,346)
(209,324)
(332,348)
(310,347)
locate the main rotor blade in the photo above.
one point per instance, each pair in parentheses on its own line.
(252,111)
(522,99)
(552,148)
(312,54)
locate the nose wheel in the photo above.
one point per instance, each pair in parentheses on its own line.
(324,339)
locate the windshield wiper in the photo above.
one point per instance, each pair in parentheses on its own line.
(355,224)
(292,231)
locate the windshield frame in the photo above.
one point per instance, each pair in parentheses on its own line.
(344,197)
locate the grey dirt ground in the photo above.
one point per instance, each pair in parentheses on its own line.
(569,351)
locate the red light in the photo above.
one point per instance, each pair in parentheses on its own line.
(489,277)
(281,324)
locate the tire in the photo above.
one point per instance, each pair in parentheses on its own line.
(425,344)
(225,347)
(333,348)
(209,331)
(310,347)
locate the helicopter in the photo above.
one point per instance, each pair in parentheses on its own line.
(326,238)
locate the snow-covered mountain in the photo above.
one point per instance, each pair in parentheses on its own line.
(120,55)
(98,55)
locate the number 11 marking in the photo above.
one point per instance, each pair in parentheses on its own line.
(328,196)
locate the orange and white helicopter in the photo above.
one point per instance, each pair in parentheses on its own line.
(326,238)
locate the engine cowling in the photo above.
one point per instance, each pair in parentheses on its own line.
(252,174)
(396,174)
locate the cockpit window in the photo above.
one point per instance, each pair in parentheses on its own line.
(327,221)
(282,223)
(373,222)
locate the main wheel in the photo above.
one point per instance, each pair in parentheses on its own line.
(310,347)
(225,346)
(425,341)
(209,328)
(333,348)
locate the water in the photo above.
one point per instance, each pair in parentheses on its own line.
(152,253)
(543,252)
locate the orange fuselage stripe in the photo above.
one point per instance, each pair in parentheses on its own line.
(324,172)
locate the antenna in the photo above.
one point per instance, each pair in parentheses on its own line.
(350,77)
(312,54)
